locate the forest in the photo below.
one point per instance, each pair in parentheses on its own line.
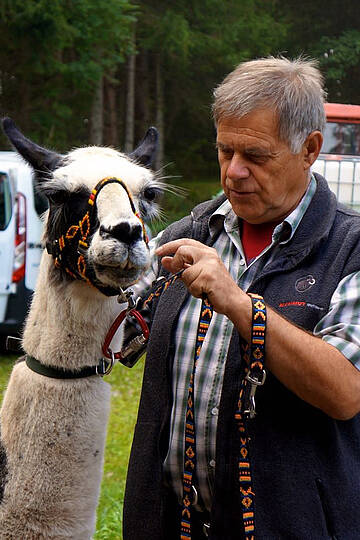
(76,72)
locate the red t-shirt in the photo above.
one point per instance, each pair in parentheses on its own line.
(255,238)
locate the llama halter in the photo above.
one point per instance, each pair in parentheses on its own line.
(69,250)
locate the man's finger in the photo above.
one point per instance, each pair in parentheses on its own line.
(182,259)
(171,247)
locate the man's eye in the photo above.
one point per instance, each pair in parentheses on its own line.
(257,159)
(228,153)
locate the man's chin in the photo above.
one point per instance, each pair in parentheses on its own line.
(245,208)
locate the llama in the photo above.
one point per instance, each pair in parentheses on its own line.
(52,430)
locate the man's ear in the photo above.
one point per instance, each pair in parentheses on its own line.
(311,148)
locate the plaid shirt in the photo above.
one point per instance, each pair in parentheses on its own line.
(340,327)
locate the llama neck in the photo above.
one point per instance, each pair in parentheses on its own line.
(67,322)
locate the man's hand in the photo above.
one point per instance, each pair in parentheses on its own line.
(204,274)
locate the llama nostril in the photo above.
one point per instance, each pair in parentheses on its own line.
(124,232)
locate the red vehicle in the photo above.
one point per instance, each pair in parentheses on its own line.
(339,160)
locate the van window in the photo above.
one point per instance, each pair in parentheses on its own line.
(341,138)
(5,201)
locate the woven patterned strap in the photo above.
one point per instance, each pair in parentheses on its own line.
(254,376)
(190,440)
(159,286)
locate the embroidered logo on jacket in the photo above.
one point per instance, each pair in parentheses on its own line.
(304,283)
(300,304)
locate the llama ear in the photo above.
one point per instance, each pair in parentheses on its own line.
(146,151)
(39,158)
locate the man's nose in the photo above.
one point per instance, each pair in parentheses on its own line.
(237,169)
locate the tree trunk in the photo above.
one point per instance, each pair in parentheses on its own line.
(143,117)
(159,113)
(111,124)
(97,115)
(130,105)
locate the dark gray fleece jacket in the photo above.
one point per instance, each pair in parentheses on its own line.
(305,465)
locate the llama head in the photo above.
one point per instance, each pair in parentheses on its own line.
(116,252)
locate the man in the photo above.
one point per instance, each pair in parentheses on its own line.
(280,233)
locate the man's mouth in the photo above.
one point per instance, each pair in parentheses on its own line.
(237,193)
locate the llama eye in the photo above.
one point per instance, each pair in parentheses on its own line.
(150,193)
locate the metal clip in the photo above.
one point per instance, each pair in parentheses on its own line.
(195,495)
(254,383)
(134,345)
(126,296)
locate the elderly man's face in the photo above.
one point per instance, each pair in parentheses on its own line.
(260,176)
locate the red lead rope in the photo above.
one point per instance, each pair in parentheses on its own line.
(107,352)
(160,285)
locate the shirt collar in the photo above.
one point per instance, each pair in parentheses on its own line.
(225,218)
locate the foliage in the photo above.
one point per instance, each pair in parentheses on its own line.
(199,44)
(52,54)
(340,61)
(330,34)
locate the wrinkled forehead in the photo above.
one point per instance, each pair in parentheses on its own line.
(85,167)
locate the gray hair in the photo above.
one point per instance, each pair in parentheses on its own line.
(294,88)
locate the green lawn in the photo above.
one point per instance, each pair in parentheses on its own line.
(125,385)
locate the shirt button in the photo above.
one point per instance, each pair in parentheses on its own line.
(242,262)
(212,463)
(215,411)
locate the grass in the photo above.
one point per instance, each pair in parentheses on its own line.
(125,393)
(126,385)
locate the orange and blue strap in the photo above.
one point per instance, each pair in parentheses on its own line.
(255,376)
(189,471)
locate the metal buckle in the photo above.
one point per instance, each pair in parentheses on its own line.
(206,529)
(103,368)
(254,383)
(13,344)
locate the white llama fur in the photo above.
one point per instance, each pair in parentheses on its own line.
(53,431)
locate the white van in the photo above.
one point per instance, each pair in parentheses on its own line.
(20,237)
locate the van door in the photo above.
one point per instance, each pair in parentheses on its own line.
(7,238)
